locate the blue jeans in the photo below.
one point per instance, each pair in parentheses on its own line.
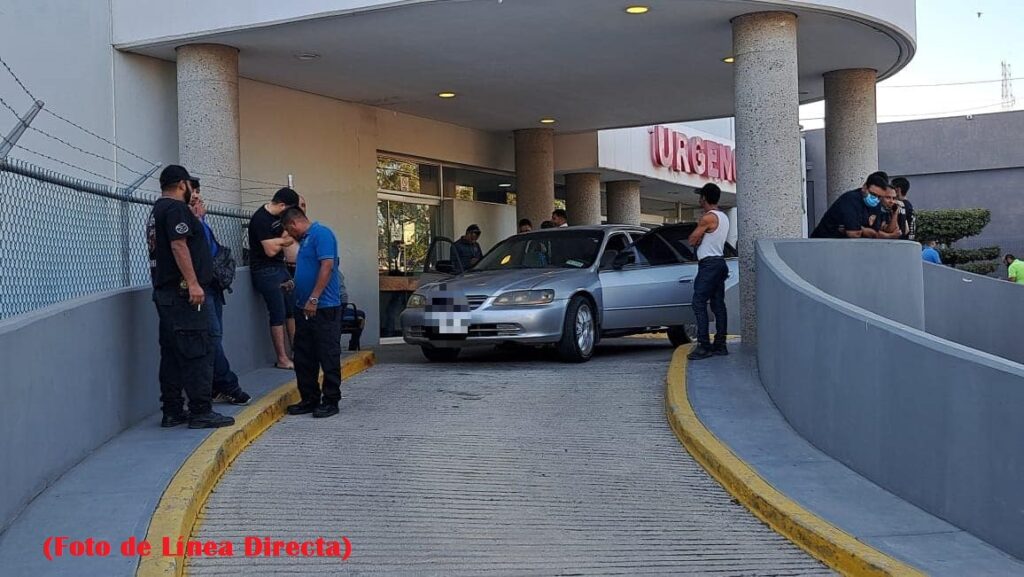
(710,286)
(224,379)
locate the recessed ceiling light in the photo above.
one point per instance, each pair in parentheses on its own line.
(306,56)
(729,59)
(446,94)
(637,10)
(547,120)
(505,185)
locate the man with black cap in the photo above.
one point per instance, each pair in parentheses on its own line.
(181,268)
(466,251)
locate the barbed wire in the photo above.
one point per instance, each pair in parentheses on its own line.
(18,80)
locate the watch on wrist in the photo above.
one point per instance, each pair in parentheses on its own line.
(314,300)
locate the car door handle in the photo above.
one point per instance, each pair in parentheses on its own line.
(686,279)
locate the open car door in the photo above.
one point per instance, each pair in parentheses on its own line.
(438,265)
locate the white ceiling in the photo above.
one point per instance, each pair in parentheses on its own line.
(584,62)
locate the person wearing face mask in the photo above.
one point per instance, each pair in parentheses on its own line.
(857,213)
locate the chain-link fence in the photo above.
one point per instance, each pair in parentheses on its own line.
(62,238)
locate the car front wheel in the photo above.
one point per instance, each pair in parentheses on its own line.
(579,333)
(440,355)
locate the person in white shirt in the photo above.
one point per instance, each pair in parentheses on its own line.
(709,240)
(558,218)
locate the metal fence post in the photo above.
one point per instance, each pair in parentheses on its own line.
(126,252)
(19,129)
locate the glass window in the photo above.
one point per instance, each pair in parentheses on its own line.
(466,184)
(654,251)
(398,175)
(678,236)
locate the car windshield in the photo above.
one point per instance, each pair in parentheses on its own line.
(554,249)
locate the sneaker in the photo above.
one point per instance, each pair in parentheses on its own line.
(325,410)
(210,420)
(699,352)
(302,408)
(240,398)
(719,350)
(174,419)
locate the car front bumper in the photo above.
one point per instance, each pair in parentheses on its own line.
(489,326)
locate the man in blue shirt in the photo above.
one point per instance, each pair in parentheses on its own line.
(225,382)
(929,254)
(319,296)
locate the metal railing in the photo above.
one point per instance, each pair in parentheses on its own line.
(63,237)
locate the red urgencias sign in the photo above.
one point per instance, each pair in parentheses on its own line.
(677,152)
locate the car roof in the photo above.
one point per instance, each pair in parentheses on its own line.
(591,227)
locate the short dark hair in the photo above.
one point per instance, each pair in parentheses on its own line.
(879,179)
(547,224)
(559,212)
(472,228)
(901,183)
(525,222)
(1009,257)
(291,215)
(286,196)
(710,192)
(195,182)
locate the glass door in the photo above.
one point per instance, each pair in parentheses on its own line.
(405,228)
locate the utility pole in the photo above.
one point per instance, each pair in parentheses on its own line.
(1008,98)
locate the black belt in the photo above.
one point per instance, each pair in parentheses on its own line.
(710,258)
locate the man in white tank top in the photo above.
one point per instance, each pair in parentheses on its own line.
(709,286)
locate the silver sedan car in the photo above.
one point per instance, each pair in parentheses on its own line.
(564,286)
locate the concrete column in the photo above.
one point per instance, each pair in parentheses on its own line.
(622,198)
(535,174)
(851,129)
(208,118)
(768,167)
(583,198)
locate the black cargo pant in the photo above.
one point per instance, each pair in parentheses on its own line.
(186,352)
(318,347)
(710,286)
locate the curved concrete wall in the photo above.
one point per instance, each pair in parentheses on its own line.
(976,311)
(79,372)
(933,421)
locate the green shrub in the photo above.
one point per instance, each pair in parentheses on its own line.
(947,226)
(984,268)
(954,256)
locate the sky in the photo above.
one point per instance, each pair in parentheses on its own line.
(954,45)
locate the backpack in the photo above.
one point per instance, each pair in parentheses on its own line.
(223,268)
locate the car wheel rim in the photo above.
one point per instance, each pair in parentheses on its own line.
(584,329)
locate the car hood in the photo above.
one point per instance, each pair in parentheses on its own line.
(499,281)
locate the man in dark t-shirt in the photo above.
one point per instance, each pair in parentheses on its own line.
(907,219)
(181,268)
(466,251)
(267,242)
(855,214)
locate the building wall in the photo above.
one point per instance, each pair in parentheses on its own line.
(958,162)
(330,147)
(940,428)
(79,372)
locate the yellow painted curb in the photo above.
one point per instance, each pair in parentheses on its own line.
(824,541)
(177,512)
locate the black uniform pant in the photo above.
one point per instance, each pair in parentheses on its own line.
(186,352)
(709,286)
(318,347)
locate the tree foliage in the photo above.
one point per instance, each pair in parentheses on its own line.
(949,225)
(955,256)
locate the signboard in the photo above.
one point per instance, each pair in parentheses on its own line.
(695,155)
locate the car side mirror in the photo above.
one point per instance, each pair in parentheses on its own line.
(622,259)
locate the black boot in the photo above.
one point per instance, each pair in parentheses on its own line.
(174,419)
(699,352)
(210,420)
(303,408)
(325,410)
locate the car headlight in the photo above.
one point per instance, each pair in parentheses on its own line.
(517,298)
(416,301)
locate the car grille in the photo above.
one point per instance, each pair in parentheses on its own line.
(495,330)
(475,301)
